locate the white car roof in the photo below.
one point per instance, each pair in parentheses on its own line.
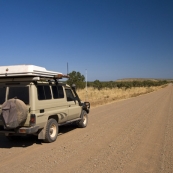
(26,70)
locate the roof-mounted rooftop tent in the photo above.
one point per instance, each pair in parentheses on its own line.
(29,70)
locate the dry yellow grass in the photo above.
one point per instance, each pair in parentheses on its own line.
(100,97)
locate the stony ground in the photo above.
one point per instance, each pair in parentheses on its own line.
(130,136)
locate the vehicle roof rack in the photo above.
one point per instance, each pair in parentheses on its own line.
(29,71)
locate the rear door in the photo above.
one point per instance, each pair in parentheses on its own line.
(2,100)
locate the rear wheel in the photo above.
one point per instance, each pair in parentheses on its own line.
(84,121)
(51,131)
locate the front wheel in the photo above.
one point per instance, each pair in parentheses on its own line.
(51,131)
(84,121)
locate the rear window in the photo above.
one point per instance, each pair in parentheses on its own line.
(2,94)
(21,93)
(44,92)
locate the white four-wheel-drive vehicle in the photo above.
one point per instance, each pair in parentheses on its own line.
(33,101)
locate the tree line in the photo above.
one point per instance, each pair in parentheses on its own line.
(79,79)
(126,84)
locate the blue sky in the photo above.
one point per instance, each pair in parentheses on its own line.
(112,39)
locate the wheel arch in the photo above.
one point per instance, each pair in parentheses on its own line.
(54,117)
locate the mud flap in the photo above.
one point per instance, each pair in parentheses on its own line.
(42,133)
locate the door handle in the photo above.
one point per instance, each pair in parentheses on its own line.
(41,110)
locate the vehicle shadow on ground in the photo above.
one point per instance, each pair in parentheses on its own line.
(67,128)
(26,141)
(23,141)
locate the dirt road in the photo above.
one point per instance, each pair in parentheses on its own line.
(130,136)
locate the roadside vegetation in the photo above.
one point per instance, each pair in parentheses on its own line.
(107,95)
(99,93)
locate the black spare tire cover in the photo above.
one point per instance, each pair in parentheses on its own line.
(14,113)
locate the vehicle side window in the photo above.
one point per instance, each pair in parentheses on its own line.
(57,92)
(2,94)
(44,92)
(69,94)
(21,93)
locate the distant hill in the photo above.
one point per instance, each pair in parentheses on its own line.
(141,79)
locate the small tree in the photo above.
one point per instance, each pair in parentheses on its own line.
(97,84)
(76,78)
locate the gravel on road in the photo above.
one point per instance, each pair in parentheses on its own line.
(129,136)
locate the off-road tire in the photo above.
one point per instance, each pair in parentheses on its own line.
(84,121)
(51,132)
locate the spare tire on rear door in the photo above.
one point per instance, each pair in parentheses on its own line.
(14,113)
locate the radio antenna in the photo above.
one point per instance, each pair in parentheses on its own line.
(67,68)
(86,94)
